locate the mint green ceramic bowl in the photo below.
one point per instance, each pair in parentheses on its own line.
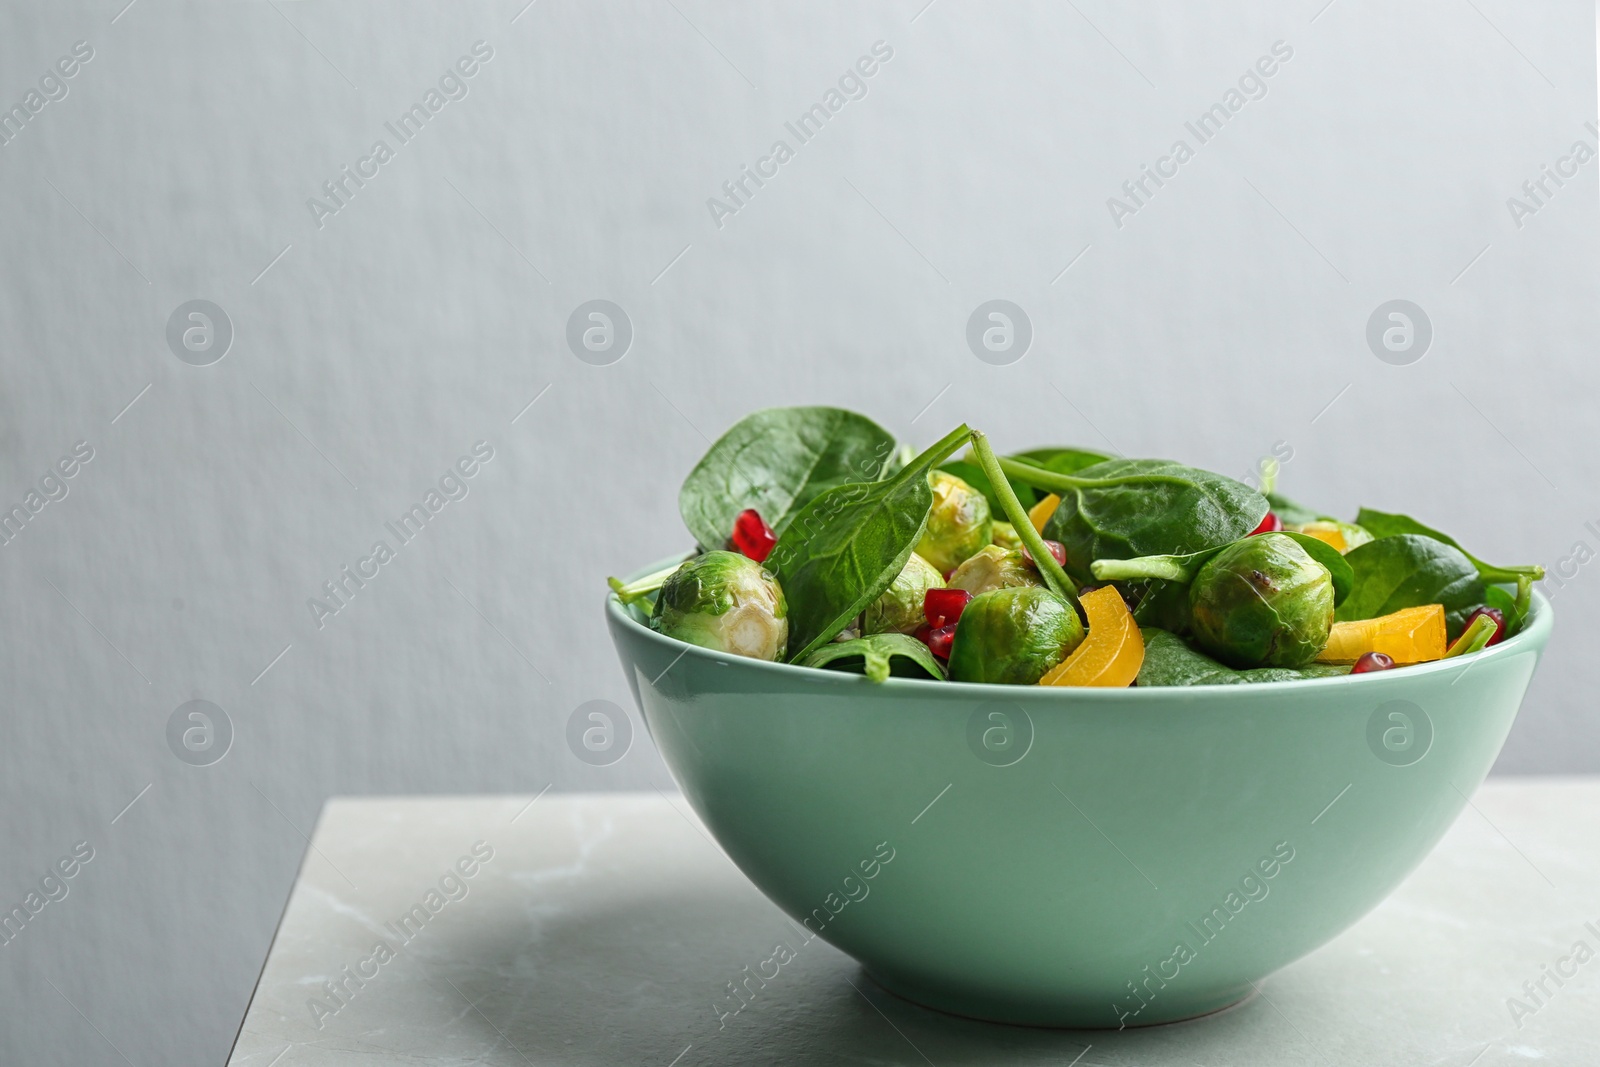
(1074,857)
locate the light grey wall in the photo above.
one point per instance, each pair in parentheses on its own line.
(1224,317)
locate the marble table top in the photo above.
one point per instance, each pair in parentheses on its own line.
(590,929)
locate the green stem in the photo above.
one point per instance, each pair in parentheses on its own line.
(1525,594)
(1054,577)
(1498,575)
(1165,567)
(1067,483)
(938,452)
(1474,638)
(641,587)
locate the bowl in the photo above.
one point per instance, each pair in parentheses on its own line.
(1073,857)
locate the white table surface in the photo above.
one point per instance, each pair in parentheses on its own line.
(604,927)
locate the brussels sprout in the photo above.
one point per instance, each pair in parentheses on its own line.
(900,606)
(1013,636)
(1262,602)
(994,567)
(1005,535)
(958,525)
(726,602)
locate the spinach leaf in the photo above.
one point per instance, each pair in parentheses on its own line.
(1406,570)
(843,549)
(1169,661)
(878,656)
(777,461)
(1062,460)
(1388,524)
(1123,508)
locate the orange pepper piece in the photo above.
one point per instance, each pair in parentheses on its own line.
(1410,635)
(1112,652)
(1327,533)
(1040,513)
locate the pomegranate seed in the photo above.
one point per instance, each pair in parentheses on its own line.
(752,536)
(1499,621)
(1270,524)
(1057,549)
(1372,661)
(942,607)
(938,639)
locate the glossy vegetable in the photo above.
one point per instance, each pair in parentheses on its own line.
(994,568)
(726,602)
(1410,635)
(845,548)
(1005,535)
(1112,652)
(777,461)
(1478,635)
(959,523)
(899,607)
(1262,602)
(1013,636)
(878,656)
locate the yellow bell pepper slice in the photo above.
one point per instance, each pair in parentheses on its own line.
(1113,651)
(1327,533)
(1040,513)
(1410,635)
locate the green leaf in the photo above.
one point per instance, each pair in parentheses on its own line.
(844,548)
(1123,508)
(777,461)
(878,656)
(1169,661)
(1062,460)
(1406,570)
(1382,524)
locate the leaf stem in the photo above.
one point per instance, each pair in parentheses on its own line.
(1068,483)
(1165,567)
(641,587)
(938,452)
(1474,638)
(1054,577)
(1498,575)
(1524,595)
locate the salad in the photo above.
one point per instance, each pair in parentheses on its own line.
(825,543)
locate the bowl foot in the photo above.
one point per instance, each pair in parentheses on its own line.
(1064,1015)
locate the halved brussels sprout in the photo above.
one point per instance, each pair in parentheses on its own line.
(993,567)
(1262,602)
(958,525)
(1005,535)
(1013,636)
(726,602)
(899,609)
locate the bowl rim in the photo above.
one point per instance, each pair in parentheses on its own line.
(1531,638)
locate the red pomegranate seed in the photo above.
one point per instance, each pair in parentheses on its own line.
(938,639)
(1057,549)
(752,536)
(1270,524)
(942,607)
(1499,621)
(1372,661)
